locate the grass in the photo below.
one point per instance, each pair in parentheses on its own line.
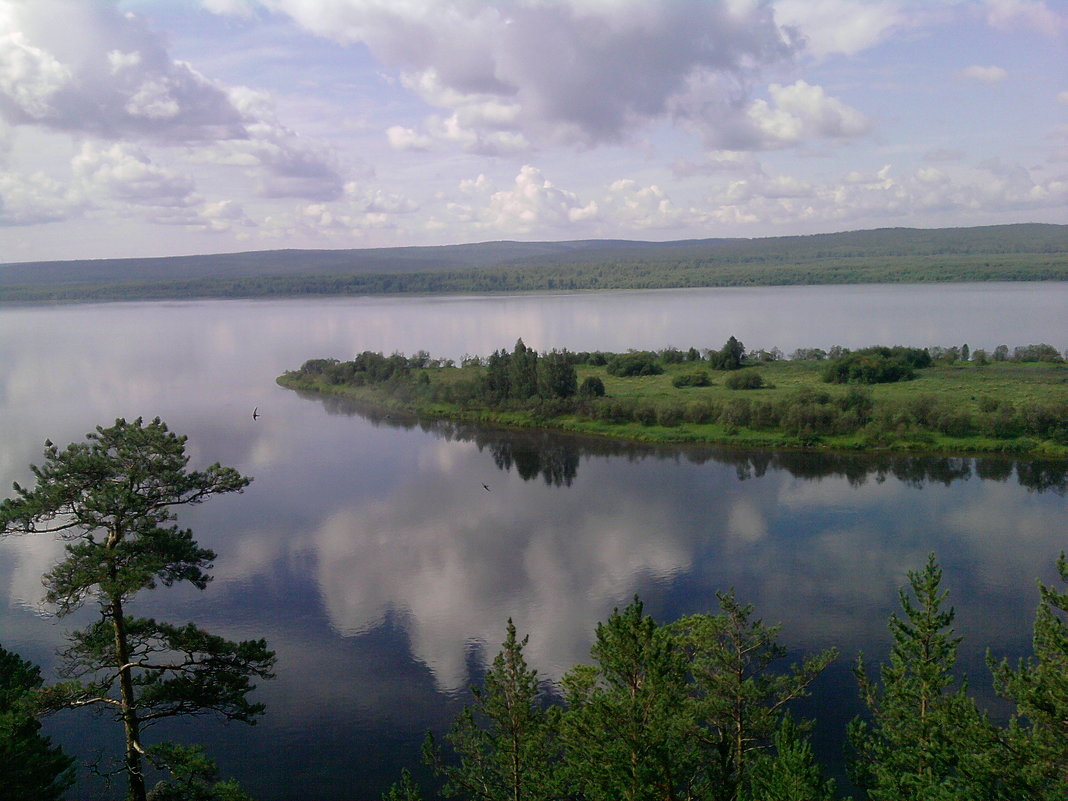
(962,389)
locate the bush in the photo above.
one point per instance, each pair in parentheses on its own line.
(744,379)
(868,367)
(591,387)
(699,378)
(634,363)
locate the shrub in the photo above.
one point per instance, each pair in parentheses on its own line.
(698,378)
(868,367)
(591,387)
(668,414)
(744,379)
(634,363)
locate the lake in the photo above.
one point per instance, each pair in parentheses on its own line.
(370,557)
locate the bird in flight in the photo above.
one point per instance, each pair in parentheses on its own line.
(486,487)
(256,413)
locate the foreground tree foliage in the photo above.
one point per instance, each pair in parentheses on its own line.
(503,742)
(112,498)
(30,766)
(697,710)
(1039,686)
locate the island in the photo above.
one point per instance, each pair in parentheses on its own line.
(936,399)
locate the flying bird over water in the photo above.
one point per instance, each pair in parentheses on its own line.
(256,413)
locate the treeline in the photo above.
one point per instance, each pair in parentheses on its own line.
(546,387)
(625,270)
(699,709)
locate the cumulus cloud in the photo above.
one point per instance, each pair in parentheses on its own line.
(102,72)
(793,114)
(984,74)
(841,26)
(535,203)
(1034,14)
(994,188)
(34,199)
(125,173)
(560,71)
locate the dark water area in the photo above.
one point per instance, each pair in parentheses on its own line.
(369,555)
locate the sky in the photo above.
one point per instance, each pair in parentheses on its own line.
(136,128)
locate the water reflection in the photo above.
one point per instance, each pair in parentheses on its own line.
(555,456)
(369,555)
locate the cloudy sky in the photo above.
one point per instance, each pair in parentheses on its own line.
(159,127)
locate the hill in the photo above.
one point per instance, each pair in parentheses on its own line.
(1027,252)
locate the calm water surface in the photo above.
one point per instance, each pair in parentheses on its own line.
(368,554)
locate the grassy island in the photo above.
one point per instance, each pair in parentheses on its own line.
(944,400)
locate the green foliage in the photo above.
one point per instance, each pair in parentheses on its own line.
(744,379)
(1039,686)
(790,772)
(30,766)
(992,253)
(635,363)
(698,378)
(627,733)
(556,375)
(591,387)
(729,357)
(1037,353)
(503,741)
(924,740)
(113,499)
(878,365)
(739,701)
(404,790)
(193,776)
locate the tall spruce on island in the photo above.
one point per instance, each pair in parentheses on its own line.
(112,498)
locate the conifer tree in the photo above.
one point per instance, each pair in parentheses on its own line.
(739,701)
(1039,686)
(790,772)
(112,499)
(926,740)
(30,766)
(628,731)
(503,740)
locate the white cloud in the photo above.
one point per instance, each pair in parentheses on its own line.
(841,26)
(535,203)
(556,71)
(795,114)
(984,74)
(35,199)
(235,8)
(1034,14)
(30,78)
(125,173)
(401,138)
(1062,98)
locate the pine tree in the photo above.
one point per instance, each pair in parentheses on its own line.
(790,772)
(1039,686)
(926,741)
(739,701)
(628,731)
(30,766)
(504,739)
(112,499)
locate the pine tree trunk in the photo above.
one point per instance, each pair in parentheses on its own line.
(129,713)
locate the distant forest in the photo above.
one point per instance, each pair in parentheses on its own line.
(1024,252)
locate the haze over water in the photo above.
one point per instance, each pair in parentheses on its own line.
(370,557)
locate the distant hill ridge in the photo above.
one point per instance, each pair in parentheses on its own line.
(1030,251)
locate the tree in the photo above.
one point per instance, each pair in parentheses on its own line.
(193,776)
(112,498)
(791,773)
(729,357)
(556,375)
(503,740)
(628,732)
(739,701)
(31,767)
(926,741)
(524,371)
(1039,686)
